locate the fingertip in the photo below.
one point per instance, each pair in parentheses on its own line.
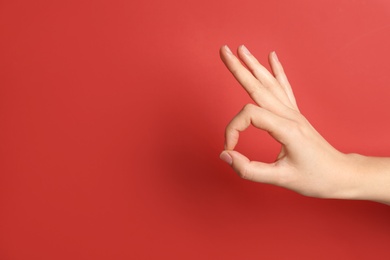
(222,48)
(274,56)
(242,48)
(225,49)
(226,157)
(244,54)
(240,164)
(238,157)
(225,54)
(276,65)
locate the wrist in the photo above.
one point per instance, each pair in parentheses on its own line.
(347,181)
(369,178)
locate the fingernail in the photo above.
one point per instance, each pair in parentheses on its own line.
(228,50)
(245,50)
(226,158)
(275,56)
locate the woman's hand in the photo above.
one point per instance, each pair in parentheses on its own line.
(307,163)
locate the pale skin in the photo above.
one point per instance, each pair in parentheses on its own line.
(307,163)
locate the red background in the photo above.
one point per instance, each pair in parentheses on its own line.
(112,115)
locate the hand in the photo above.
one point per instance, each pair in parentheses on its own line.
(307,163)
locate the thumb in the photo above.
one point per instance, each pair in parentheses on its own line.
(251,170)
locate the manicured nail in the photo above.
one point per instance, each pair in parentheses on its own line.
(226,158)
(275,56)
(228,50)
(245,50)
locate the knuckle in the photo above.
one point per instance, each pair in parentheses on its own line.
(294,130)
(230,126)
(297,128)
(249,108)
(254,93)
(228,129)
(245,172)
(235,71)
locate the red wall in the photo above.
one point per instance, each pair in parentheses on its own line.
(112,116)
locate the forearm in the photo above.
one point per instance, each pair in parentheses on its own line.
(372,178)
